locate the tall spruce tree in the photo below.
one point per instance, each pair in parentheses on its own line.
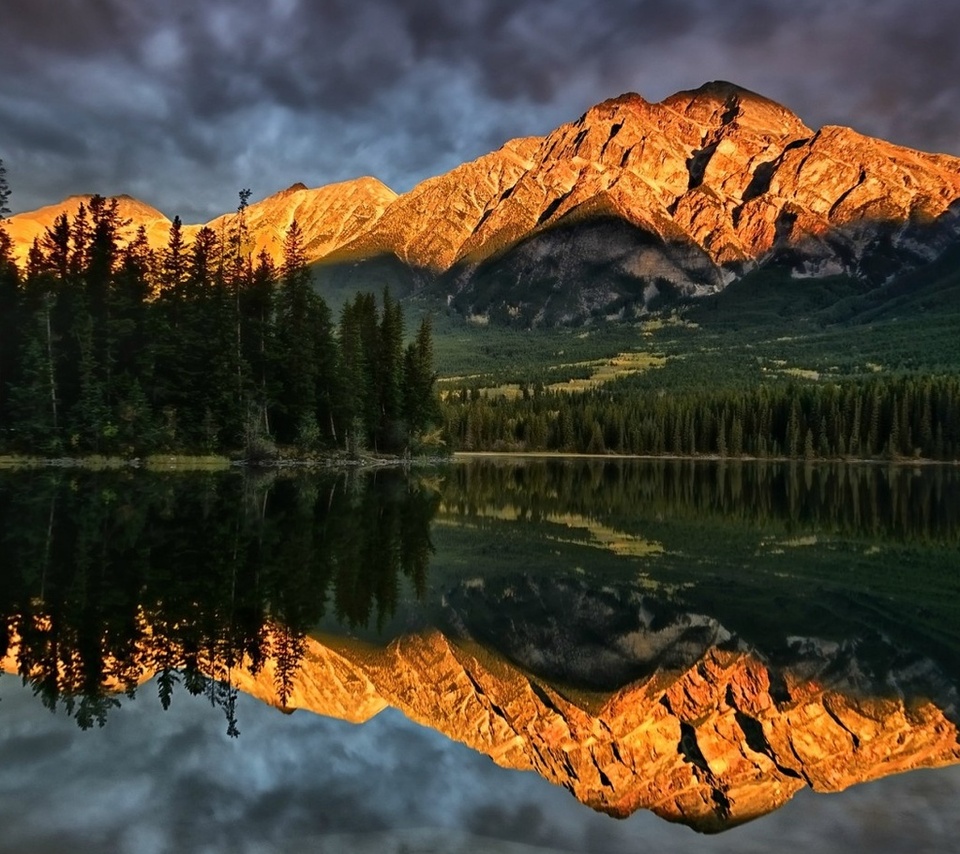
(10,332)
(296,422)
(259,348)
(96,262)
(391,433)
(327,369)
(216,417)
(239,279)
(420,404)
(130,346)
(353,386)
(34,397)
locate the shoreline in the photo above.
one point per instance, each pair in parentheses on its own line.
(186,462)
(465,456)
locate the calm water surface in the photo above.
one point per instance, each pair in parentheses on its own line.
(491,656)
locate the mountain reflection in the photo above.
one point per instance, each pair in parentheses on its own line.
(698,640)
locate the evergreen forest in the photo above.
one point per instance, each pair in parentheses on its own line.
(888,417)
(197,348)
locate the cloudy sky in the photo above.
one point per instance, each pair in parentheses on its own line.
(182,103)
(153,782)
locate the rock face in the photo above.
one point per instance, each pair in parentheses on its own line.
(328,217)
(26,227)
(631,201)
(434,224)
(717,744)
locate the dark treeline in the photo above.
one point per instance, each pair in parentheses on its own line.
(110,578)
(888,503)
(198,347)
(883,417)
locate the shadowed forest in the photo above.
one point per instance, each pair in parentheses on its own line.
(889,417)
(197,348)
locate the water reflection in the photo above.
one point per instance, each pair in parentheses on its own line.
(902,502)
(112,577)
(699,640)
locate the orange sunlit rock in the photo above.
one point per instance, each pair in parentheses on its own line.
(720,176)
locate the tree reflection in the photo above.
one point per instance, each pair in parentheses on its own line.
(768,551)
(896,502)
(112,577)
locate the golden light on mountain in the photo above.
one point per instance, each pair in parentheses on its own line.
(692,192)
(26,227)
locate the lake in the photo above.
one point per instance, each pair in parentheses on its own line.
(492,655)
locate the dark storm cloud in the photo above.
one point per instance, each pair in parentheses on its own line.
(181,103)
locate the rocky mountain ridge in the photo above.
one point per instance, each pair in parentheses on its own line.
(632,200)
(329,216)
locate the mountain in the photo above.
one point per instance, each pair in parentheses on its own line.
(328,217)
(432,226)
(635,199)
(633,202)
(26,227)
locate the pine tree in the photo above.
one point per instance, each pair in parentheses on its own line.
(33,404)
(420,404)
(196,378)
(94,264)
(297,418)
(359,397)
(388,376)
(9,303)
(793,437)
(240,275)
(327,369)
(257,309)
(172,274)
(352,389)
(213,331)
(130,345)
(10,322)
(167,320)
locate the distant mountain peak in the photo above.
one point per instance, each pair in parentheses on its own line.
(627,99)
(724,89)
